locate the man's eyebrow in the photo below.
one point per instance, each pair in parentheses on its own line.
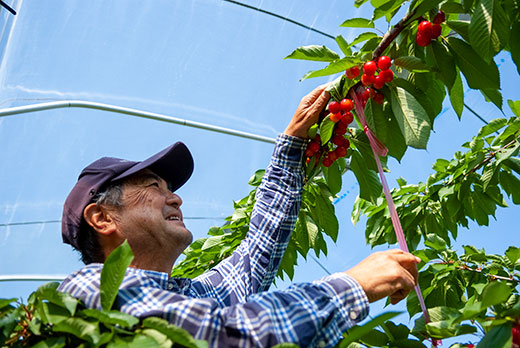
(153,176)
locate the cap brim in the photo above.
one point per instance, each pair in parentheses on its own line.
(174,164)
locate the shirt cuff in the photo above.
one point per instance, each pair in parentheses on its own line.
(350,297)
(288,151)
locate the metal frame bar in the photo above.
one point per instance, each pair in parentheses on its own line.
(131,112)
(31,277)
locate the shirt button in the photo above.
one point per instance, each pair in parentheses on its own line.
(170,286)
(321,344)
(353,315)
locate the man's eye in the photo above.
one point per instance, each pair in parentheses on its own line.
(156,184)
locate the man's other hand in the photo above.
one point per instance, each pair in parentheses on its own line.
(388,273)
(308,112)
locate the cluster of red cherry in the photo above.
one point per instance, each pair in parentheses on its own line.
(373,78)
(341,115)
(427,31)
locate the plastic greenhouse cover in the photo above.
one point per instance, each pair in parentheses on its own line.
(209,61)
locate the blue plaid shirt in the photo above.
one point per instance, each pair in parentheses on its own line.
(228,305)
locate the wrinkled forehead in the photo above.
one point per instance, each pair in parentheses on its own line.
(144,176)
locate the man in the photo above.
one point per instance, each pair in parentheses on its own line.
(228,306)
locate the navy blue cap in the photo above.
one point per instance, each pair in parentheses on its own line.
(173,164)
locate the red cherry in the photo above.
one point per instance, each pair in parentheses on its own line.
(346,145)
(347,118)
(384,63)
(471,345)
(425,28)
(346,105)
(423,40)
(440,17)
(367,80)
(379,82)
(436,30)
(340,129)
(308,153)
(340,151)
(379,98)
(327,162)
(313,146)
(388,75)
(366,94)
(515,332)
(332,156)
(352,73)
(338,140)
(335,117)
(334,107)
(370,67)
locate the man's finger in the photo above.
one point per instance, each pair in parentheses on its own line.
(316,93)
(320,102)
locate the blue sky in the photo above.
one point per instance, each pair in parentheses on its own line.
(209,61)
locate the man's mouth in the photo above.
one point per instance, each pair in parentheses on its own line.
(174,218)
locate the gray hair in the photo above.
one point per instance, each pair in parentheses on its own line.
(88,242)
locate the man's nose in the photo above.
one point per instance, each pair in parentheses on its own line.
(174,199)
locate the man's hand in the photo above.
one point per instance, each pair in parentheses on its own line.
(389,273)
(308,112)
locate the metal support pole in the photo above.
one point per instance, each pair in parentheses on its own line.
(31,278)
(131,112)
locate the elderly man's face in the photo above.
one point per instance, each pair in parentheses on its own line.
(151,218)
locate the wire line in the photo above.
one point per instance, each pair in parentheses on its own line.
(281,17)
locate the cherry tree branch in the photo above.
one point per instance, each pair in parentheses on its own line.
(392,34)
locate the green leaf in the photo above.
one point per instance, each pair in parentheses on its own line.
(497,337)
(514,44)
(314,52)
(445,64)
(513,254)
(174,333)
(136,341)
(479,74)
(357,23)
(113,273)
(369,185)
(359,331)
(515,106)
(112,317)
(412,64)
(411,117)
(423,6)
(48,292)
(362,37)
(79,328)
(457,95)
(384,125)
(375,338)
(494,293)
(461,27)
(52,342)
(327,217)
(493,95)
(343,45)
(326,129)
(511,185)
(334,67)
(333,177)
(487,25)
(4,302)
(491,127)
(256,179)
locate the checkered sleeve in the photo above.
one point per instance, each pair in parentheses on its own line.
(252,267)
(308,314)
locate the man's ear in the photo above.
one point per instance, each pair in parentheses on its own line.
(99,219)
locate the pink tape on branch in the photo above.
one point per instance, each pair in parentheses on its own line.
(379,149)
